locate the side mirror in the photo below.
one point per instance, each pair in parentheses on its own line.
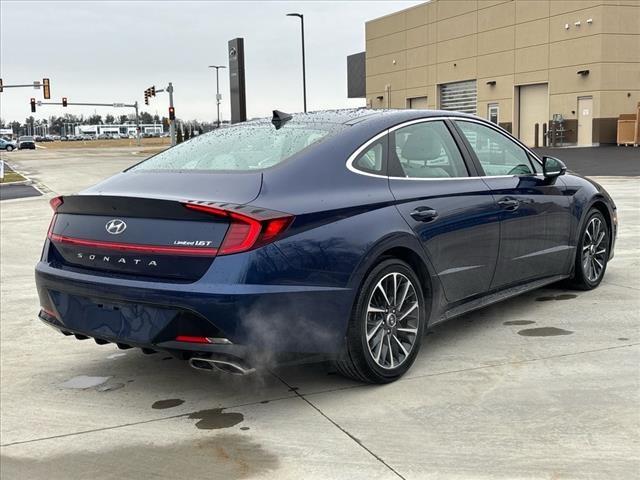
(553,167)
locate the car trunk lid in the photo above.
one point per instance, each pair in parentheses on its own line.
(134,236)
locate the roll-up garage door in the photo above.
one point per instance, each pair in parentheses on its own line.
(417,102)
(459,96)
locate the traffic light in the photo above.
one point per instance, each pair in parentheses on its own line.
(64,101)
(153,91)
(33,105)
(172,113)
(0,85)
(146,97)
(46,88)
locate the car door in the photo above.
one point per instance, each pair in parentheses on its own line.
(535,223)
(448,206)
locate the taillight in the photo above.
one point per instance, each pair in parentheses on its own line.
(246,230)
(55,202)
(192,339)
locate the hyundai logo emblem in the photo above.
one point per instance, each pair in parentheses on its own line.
(116,226)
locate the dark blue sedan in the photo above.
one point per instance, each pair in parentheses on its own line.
(343,233)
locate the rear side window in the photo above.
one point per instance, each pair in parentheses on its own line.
(427,150)
(247,147)
(372,159)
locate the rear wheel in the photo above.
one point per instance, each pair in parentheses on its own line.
(387,324)
(592,253)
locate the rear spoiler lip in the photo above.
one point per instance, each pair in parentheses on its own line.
(128,206)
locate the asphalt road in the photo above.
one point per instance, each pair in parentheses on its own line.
(610,161)
(484,400)
(11,192)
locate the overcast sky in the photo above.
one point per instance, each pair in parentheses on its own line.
(112,51)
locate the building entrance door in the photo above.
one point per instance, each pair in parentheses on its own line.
(534,108)
(585,121)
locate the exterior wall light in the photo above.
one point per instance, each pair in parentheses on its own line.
(583,73)
(380,97)
(491,83)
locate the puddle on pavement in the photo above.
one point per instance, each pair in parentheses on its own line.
(232,456)
(566,296)
(110,387)
(83,382)
(545,299)
(168,403)
(544,332)
(563,296)
(623,339)
(519,322)
(215,418)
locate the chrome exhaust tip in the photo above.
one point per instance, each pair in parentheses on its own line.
(228,365)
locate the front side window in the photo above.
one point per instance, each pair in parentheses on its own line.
(246,147)
(497,154)
(427,150)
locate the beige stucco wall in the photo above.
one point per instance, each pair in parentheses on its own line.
(511,42)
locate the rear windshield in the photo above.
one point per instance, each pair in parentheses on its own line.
(246,147)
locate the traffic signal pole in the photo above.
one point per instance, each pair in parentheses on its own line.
(172,122)
(151,92)
(135,105)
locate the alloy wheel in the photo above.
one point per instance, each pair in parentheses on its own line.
(393,315)
(594,249)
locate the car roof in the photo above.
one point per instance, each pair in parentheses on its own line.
(353,116)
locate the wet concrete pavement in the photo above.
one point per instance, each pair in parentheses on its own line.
(484,400)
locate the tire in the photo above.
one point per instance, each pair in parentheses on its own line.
(592,252)
(381,345)
(9,148)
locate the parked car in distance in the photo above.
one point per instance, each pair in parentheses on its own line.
(26,142)
(345,234)
(7,145)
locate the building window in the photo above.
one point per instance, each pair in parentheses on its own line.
(492,112)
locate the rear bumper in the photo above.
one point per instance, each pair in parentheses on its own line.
(146,314)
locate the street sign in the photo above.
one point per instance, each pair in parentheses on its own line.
(118,105)
(36,85)
(39,102)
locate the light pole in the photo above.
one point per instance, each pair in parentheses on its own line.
(218,97)
(304,74)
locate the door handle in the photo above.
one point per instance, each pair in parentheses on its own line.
(510,204)
(424,214)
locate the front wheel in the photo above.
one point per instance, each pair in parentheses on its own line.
(592,253)
(9,148)
(387,325)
